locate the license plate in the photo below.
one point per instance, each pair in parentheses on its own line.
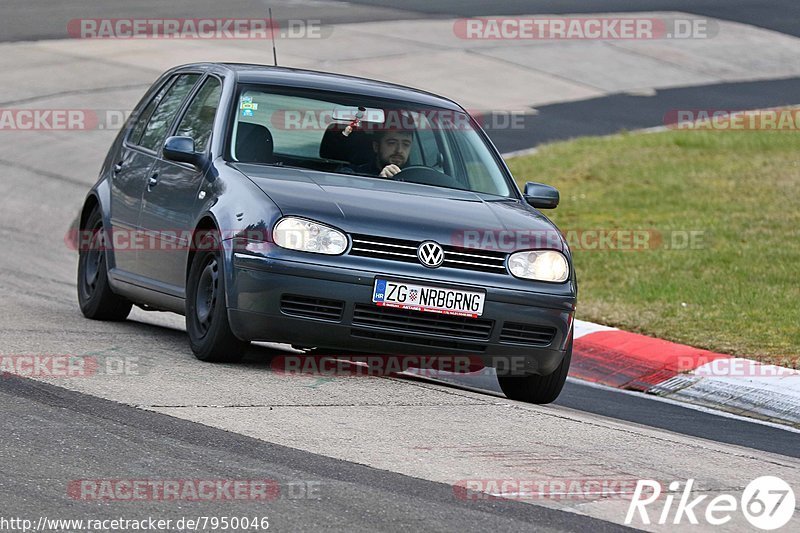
(445,301)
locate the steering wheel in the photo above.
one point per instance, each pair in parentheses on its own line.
(425,176)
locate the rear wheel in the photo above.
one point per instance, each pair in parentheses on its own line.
(210,334)
(538,389)
(95,297)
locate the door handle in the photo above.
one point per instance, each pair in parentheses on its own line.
(152,182)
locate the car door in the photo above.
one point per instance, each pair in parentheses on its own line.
(131,167)
(170,199)
(142,147)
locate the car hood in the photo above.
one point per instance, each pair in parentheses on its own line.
(372,206)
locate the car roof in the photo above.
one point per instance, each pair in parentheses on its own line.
(327,81)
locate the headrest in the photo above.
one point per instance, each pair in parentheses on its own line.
(355,148)
(253,143)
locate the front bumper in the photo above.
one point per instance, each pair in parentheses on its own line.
(258,284)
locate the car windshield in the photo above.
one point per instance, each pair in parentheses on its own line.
(362,136)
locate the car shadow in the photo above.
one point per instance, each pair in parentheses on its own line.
(272,357)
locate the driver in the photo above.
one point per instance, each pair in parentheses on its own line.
(391,147)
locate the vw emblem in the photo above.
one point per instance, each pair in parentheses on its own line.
(430,254)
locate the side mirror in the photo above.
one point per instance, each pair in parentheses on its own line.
(181,149)
(541,196)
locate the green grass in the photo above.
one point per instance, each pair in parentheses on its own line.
(739,293)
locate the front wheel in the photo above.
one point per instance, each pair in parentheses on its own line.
(535,388)
(210,334)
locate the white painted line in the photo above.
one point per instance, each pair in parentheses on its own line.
(583,328)
(752,373)
(520,153)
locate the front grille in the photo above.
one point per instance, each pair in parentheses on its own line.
(406,252)
(419,341)
(527,334)
(308,307)
(422,323)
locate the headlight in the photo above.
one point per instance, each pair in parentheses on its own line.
(541,265)
(308,236)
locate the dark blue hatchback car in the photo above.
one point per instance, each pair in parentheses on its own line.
(326,211)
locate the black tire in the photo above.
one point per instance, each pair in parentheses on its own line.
(95,297)
(210,334)
(538,389)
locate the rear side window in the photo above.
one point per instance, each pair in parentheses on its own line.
(164,115)
(198,122)
(298,123)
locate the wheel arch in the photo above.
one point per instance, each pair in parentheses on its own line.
(89,205)
(209,222)
(98,197)
(206,223)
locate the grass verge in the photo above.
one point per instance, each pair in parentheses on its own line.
(721,267)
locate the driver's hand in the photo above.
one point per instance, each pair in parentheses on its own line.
(389,171)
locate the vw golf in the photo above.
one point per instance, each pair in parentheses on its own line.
(327,211)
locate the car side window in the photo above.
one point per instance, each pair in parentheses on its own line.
(198,122)
(428,145)
(478,166)
(141,121)
(156,130)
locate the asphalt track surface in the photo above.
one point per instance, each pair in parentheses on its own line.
(59,430)
(40,19)
(778,15)
(44,19)
(52,434)
(611,114)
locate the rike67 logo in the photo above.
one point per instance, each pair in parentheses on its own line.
(767,503)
